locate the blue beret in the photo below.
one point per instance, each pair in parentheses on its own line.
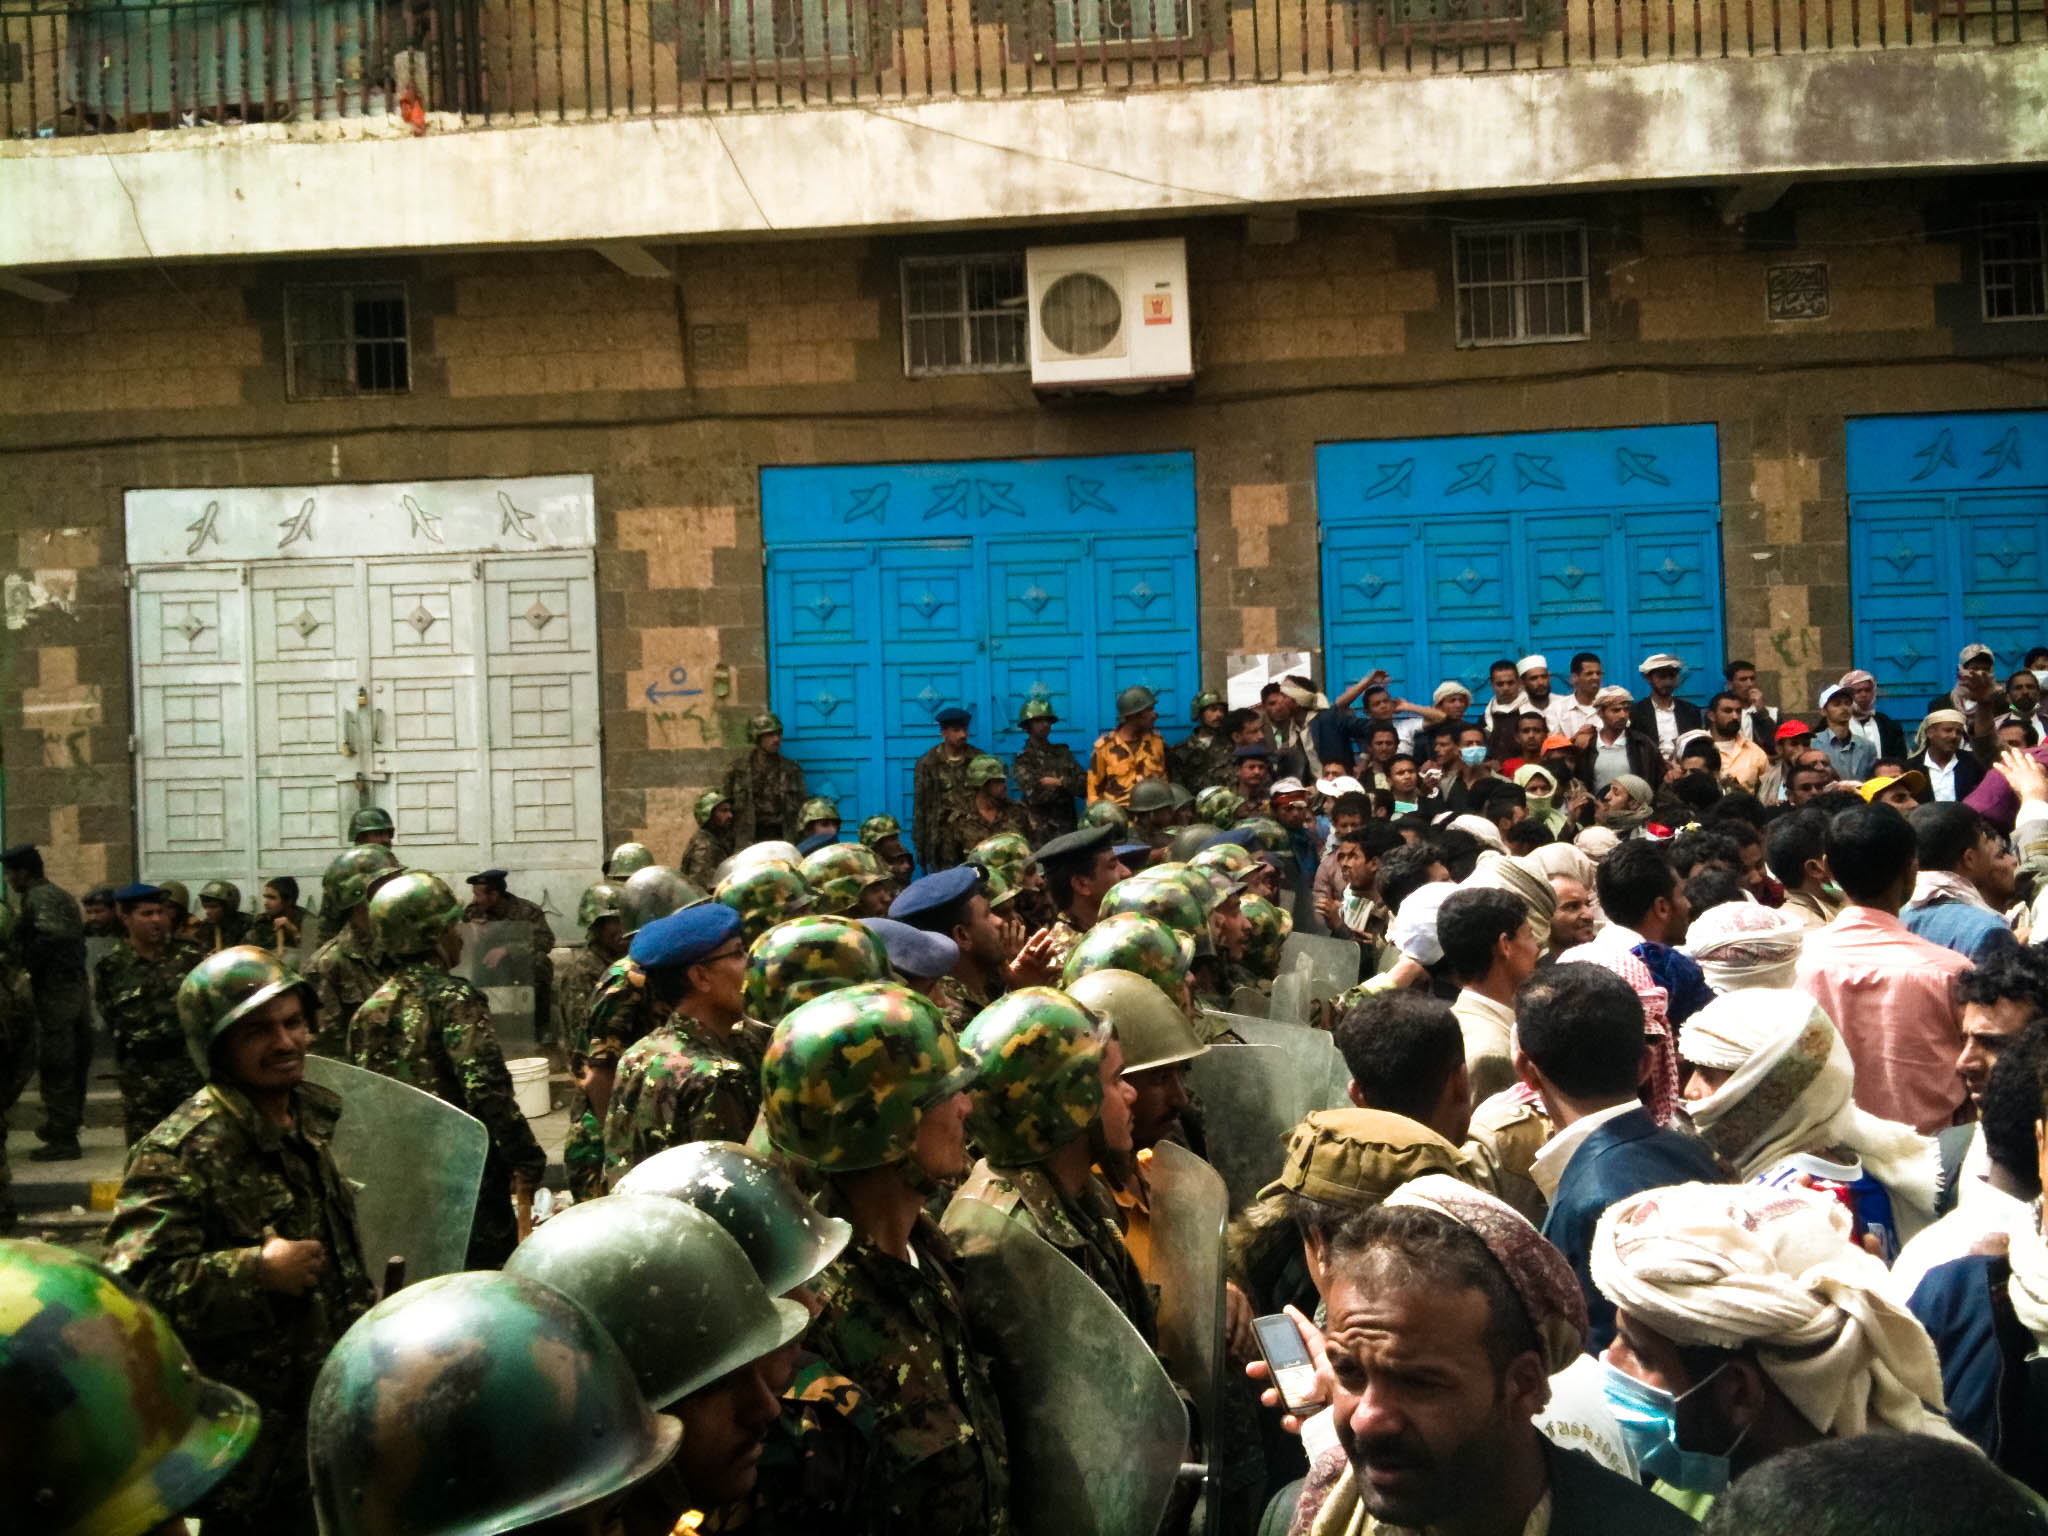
(1123,849)
(685,937)
(913,951)
(139,891)
(488,877)
(1256,749)
(934,893)
(816,841)
(953,714)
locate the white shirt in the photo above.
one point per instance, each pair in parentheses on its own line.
(1666,716)
(1552,708)
(1610,760)
(1942,779)
(1982,1211)
(1748,728)
(1867,731)
(1547,1168)
(1572,716)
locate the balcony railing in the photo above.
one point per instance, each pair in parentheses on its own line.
(88,66)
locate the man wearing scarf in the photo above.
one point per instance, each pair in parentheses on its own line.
(1887,738)
(1615,746)
(1744,944)
(1966,882)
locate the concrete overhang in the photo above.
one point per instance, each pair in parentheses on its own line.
(282,191)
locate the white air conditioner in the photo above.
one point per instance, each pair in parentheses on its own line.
(1109,316)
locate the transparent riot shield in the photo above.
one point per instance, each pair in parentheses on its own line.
(1333,963)
(1325,1080)
(1096,1432)
(97,949)
(1189,1207)
(415,1163)
(1250,1001)
(1293,991)
(498,960)
(1251,1098)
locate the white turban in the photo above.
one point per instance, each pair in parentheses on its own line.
(1597,842)
(1722,1266)
(1613,693)
(1745,944)
(1487,833)
(1530,664)
(1413,930)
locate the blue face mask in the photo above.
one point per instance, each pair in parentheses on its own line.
(1405,807)
(1473,756)
(1649,1422)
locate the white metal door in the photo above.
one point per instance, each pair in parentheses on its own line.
(191,672)
(305,626)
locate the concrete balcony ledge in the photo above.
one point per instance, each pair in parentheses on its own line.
(288,190)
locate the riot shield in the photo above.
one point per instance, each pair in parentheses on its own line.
(1189,1207)
(1293,991)
(1333,963)
(1325,1080)
(1252,1096)
(97,948)
(497,959)
(415,1163)
(1096,1432)
(1250,1001)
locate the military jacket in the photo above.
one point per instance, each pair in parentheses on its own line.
(620,1012)
(767,795)
(900,1331)
(678,1084)
(938,787)
(138,998)
(50,933)
(958,1004)
(1118,765)
(1206,760)
(966,826)
(708,849)
(1049,808)
(232,929)
(204,1190)
(814,1468)
(344,972)
(1083,1227)
(575,991)
(1507,1131)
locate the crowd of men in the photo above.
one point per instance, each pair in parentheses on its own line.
(1683,1168)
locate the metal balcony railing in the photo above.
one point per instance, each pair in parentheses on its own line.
(70,67)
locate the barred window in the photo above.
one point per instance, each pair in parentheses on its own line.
(964,314)
(2012,261)
(1520,283)
(343,340)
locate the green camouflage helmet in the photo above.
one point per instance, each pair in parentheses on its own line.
(817,808)
(879,829)
(997,887)
(849,1076)
(110,1430)
(767,723)
(1005,854)
(627,860)
(705,804)
(1035,708)
(599,900)
(788,1239)
(1266,832)
(225,891)
(1198,883)
(1208,698)
(1167,900)
(350,875)
(1149,795)
(175,893)
(1149,1025)
(1131,942)
(1106,813)
(1038,1074)
(755,855)
(475,1403)
(1233,859)
(668,1283)
(1269,927)
(410,912)
(807,957)
(654,893)
(1219,806)
(763,896)
(1190,840)
(227,985)
(985,768)
(838,872)
(371,818)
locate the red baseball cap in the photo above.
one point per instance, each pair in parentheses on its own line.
(1793,728)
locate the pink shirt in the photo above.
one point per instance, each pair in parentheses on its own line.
(1893,996)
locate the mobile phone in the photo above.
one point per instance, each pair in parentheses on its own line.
(1294,1373)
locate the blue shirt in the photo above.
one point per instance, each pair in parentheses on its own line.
(1853,759)
(1971,931)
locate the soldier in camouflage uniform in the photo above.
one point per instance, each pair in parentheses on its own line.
(235,1221)
(957,903)
(865,1088)
(938,786)
(712,843)
(1079,870)
(490,902)
(1208,758)
(695,1075)
(766,789)
(1049,777)
(136,984)
(626,861)
(848,880)
(369,827)
(1049,1085)
(346,969)
(50,937)
(433,1030)
(986,810)
(1132,752)
(884,834)
(604,942)
(222,923)
(17,1049)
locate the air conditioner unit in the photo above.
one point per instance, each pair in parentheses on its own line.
(1109,316)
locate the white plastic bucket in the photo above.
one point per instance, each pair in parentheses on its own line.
(530,1085)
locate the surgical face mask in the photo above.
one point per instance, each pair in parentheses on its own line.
(1405,807)
(2041,677)
(1649,1422)
(1832,891)
(1473,756)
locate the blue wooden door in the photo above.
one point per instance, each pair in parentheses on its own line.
(1947,519)
(895,591)
(1444,555)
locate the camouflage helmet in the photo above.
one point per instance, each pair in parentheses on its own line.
(1149,795)
(1267,833)
(709,801)
(1135,700)
(1190,840)
(997,887)
(124,1434)
(627,860)
(228,985)
(1208,698)
(838,872)
(1166,899)
(985,768)
(1131,942)
(1149,1025)
(817,808)
(175,893)
(879,829)
(599,900)
(807,957)
(1106,813)
(410,912)
(483,1378)
(668,1283)
(773,851)
(223,891)
(1220,806)
(653,893)
(1038,1074)
(1202,884)
(371,818)
(1269,926)
(849,1076)
(1233,859)
(788,1239)
(763,896)
(767,723)
(350,875)
(1035,708)
(1006,854)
